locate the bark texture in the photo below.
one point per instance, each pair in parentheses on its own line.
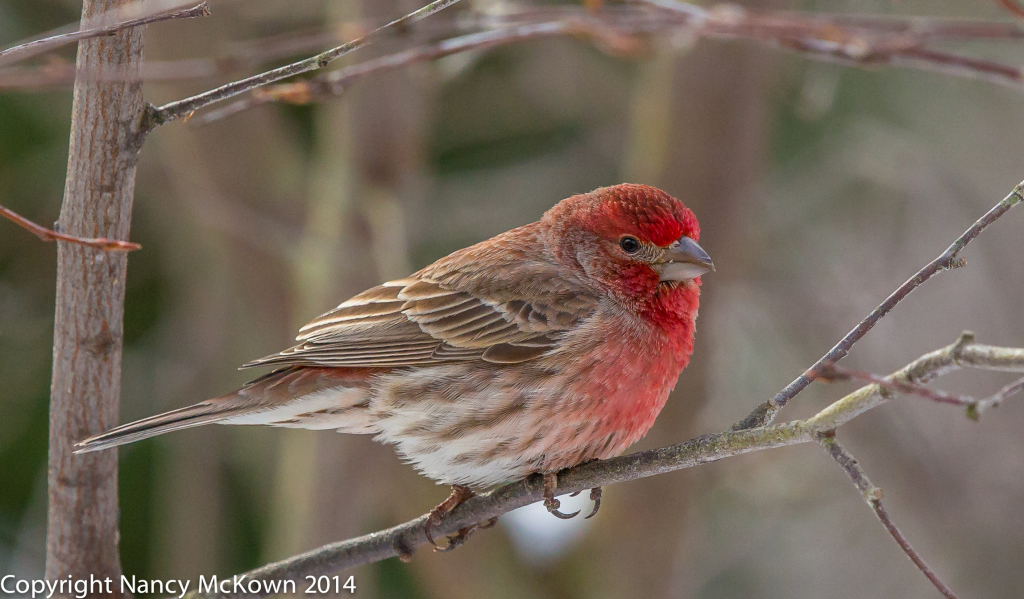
(82,528)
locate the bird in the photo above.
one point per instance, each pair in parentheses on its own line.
(547,346)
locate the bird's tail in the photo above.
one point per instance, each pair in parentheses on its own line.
(296,396)
(206,412)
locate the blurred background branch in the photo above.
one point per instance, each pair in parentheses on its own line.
(51,42)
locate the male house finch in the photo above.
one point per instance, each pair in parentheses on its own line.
(547,346)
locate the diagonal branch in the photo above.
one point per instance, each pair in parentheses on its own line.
(873,495)
(182,108)
(834,372)
(336,82)
(45,234)
(404,539)
(993,401)
(40,46)
(766,412)
(1013,6)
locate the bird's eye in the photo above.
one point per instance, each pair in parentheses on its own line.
(630,245)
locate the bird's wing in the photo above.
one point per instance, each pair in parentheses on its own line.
(499,306)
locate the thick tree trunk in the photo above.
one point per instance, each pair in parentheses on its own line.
(82,531)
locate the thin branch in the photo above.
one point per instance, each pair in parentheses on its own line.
(873,495)
(40,46)
(101,243)
(766,412)
(993,401)
(853,40)
(850,40)
(834,372)
(858,41)
(175,110)
(404,539)
(1012,6)
(248,54)
(336,82)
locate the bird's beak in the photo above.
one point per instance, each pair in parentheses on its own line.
(684,260)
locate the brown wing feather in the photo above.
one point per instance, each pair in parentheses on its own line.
(502,301)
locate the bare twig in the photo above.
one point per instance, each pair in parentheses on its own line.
(873,495)
(993,401)
(40,46)
(336,82)
(45,234)
(404,539)
(175,110)
(837,372)
(766,412)
(851,40)
(854,41)
(1012,6)
(858,41)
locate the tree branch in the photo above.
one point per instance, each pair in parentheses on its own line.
(404,539)
(156,116)
(873,495)
(82,518)
(974,410)
(1013,7)
(859,41)
(834,372)
(40,46)
(766,412)
(101,243)
(336,82)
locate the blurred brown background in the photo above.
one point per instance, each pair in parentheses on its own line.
(819,189)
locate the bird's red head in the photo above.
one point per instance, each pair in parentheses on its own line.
(635,241)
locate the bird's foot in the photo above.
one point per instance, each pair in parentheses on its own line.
(459,495)
(460,537)
(595,496)
(550,484)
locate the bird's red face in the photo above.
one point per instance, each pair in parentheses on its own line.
(635,240)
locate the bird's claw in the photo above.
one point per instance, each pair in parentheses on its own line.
(553,504)
(595,496)
(458,495)
(550,484)
(460,537)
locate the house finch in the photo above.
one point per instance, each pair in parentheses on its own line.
(547,346)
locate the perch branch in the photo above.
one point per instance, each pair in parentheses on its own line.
(873,495)
(46,44)
(766,412)
(404,539)
(45,234)
(182,108)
